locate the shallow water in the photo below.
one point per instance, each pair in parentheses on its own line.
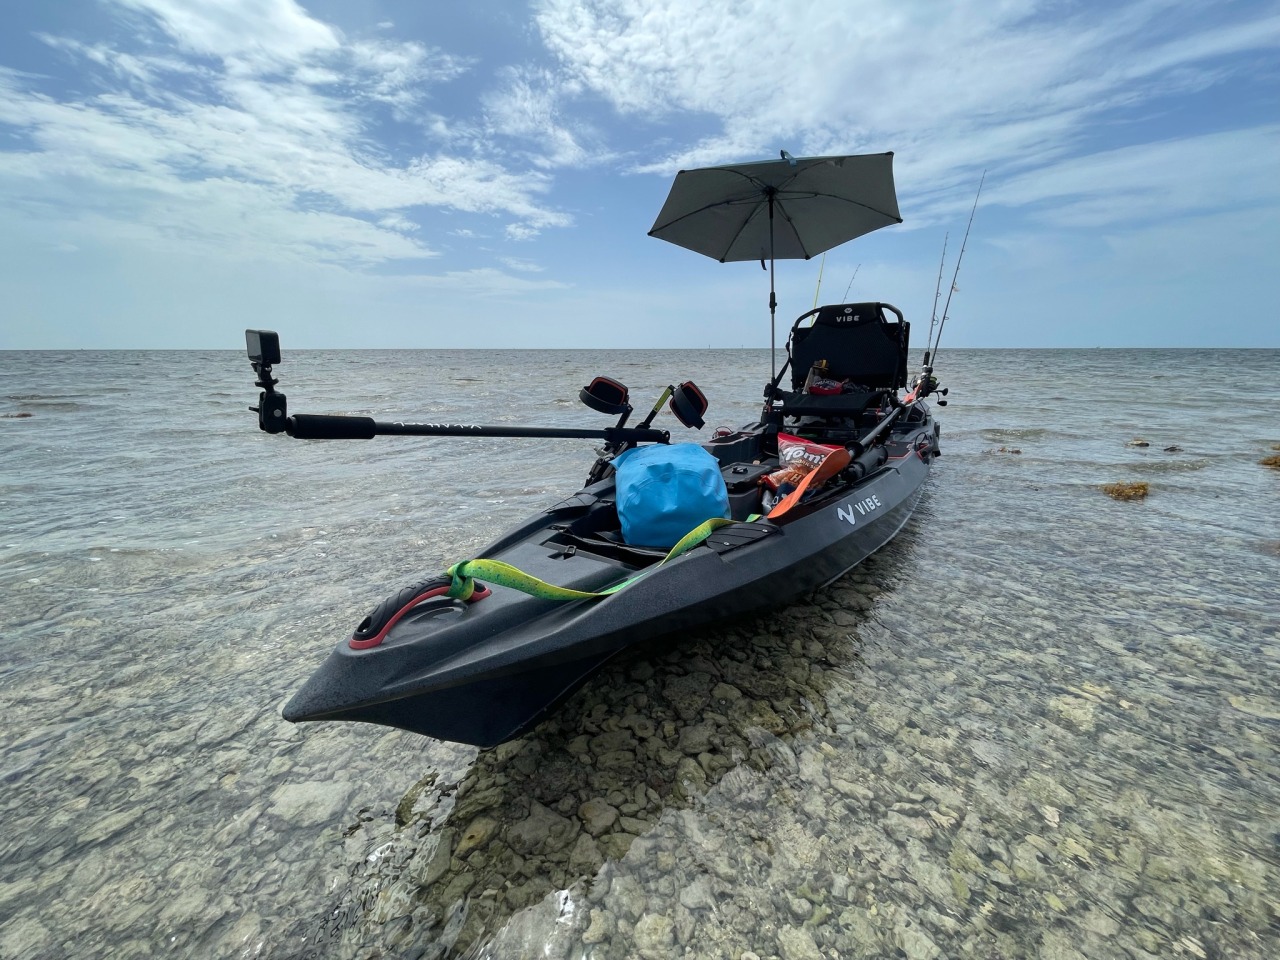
(1041,722)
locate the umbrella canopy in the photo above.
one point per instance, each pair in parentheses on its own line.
(788,209)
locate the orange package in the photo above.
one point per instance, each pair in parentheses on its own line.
(796,457)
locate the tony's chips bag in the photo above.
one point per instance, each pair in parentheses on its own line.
(797,457)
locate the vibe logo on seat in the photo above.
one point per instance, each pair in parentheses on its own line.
(863,507)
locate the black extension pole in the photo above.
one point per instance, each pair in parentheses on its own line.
(306,426)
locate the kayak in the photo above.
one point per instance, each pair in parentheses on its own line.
(481,653)
(662,538)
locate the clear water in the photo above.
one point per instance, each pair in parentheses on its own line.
(1041,722)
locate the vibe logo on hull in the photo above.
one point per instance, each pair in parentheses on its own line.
(859,508)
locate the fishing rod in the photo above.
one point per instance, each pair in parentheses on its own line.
(818,289)
(963,243)
(823,265)
(851,279)
(927,383)
(937,292)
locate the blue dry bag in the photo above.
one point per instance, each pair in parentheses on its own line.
(665,490)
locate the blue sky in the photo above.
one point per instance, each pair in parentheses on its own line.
(484,174)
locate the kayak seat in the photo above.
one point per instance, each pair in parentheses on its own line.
(859,344)
(862,350)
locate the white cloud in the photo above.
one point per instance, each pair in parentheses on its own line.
(396,222)
(951,87)
(520,231)
(1131,185)
(140,69)
(399,73)
(520,265)
(527,107)
(219,219)
(256,35)
(232,97)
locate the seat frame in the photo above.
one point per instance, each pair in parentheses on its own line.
(861,347)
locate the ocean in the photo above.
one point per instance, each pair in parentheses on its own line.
(1041,722)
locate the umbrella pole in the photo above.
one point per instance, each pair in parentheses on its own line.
(773,299)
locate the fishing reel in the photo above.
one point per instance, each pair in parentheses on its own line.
(926,385)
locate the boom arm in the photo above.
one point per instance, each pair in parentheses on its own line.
(273,414)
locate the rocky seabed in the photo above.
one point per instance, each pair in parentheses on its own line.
(752,796)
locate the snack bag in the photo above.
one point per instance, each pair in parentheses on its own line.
(796,458)
(826,388)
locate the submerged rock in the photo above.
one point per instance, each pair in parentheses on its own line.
(796,943)
(602,927)
(476,835)
(654,935)
(1126,491)
(597,816)
(542,831)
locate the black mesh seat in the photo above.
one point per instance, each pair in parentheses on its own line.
(861,347)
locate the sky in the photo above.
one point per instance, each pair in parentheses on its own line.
(397,173)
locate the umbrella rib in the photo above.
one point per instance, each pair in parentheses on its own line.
(780,204)
(833,196)
(736,201)
(720,203)
(754,181)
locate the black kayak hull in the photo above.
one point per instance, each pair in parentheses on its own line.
(486,672)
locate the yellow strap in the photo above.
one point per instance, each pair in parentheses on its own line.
(464,574)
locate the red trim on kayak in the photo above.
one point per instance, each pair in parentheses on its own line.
(479,593)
